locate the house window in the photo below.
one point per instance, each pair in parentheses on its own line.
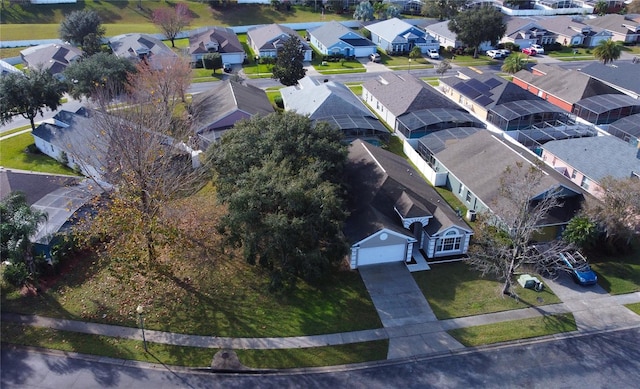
(585,183)
(449,243)
(468,196)
(574,173)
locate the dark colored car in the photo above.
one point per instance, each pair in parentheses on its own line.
(226,67)
(579,268)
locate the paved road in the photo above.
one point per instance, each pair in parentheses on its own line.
(590,361)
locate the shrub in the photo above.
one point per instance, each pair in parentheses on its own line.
(279,102)
(16,274)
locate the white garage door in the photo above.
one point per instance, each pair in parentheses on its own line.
(384,254)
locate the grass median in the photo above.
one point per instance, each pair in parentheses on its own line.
(513,330)
(190,356)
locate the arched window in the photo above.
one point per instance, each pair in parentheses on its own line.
(450,242)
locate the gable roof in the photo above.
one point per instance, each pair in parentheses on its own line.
(487,90)
(405,93)
(34,186)
(321,99)
(621,24)
(332,32)
(568,85)
(225,98)
(568,25)
(390,29)
(381,181)
(265,37)
(598,156)
(54,57)
(226,39)
(441,29)
(618,75)
(133,46)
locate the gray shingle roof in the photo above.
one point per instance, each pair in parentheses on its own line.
(226,38)
(405,93)
(53,56)
(34,186)
(131,46)
(622,75)
(381,180)
(614,22)
(263,37)
(330,33)
(597,157)
(390,29)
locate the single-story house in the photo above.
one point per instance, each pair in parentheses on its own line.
(265,41)
(624,28)
(561,87)
(572,31)
(586,161)
(141,47)
(215,111)
(470,162)
(54,57)
(333,38)
(397,36)
(394,211)
(222,40)
(336,104)
(622,75)
(391,95)
(447,38)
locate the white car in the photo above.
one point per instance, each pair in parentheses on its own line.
(495,54)
(433,54)
(539,49)
(505,52)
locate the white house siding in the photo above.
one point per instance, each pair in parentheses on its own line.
(430,244)
(56,153)
(380,109)
(384,246)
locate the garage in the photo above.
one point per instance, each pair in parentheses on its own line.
(383,254)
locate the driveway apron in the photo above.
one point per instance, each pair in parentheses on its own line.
(412,327)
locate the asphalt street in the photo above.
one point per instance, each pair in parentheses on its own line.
(595,360)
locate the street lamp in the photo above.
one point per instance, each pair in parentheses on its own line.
(409,65)
(258,64)
(140,311)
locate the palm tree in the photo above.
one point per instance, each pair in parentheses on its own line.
(607,51)
(513,63)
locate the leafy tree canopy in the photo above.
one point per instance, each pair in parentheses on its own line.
(364,11)
(476,25)
(83,28)
(97,73)
(442,9)
(28,94)
(281,178)
(289,68)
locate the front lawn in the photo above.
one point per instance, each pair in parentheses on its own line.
(514,330)
(618,274)
(400,62)
(339,67)
(13,154)
(456,290)
(571,54)
(634,307)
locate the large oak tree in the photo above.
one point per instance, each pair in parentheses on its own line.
(281,178)
(289,62)
(479,24)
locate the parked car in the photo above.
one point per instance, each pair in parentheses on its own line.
(579,268)
(375,57)
(529,51)
(433,54)
(505,52)
(495,54)
(539,49)
(226,67)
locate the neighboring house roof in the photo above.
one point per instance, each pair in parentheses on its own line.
(269,36)
(442,29)
(54,57)
(478,159)
(322,99)
(405,93)
(34,186)
(597,157)
(216,39)
(380,183)
(6,68)
(520,27)
(487,90)
(621,24)
(621,75)
(333,32)
(221,106)
(568,25)
(394,30)
(568,85)
(138,46)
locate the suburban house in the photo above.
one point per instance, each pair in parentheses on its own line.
(621,75)
(578,93)
(624,28)
(447,38)
(586,161)
(627,129)
(395,215)
(392,95)
(572,31)
(266,40)
(222,40)
(336,104)
(333,38)
(397,36)
(141,47)
(470,162)
(54,57)
(500,102)
(215,111)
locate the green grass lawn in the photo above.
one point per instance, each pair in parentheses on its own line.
(634,307)
(402,62)
(513,330)
(190,356)
(618,274)
(567,54)
(348,66)
(13,155)
(456,290)
(17,129)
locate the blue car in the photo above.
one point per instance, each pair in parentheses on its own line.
(579,268)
